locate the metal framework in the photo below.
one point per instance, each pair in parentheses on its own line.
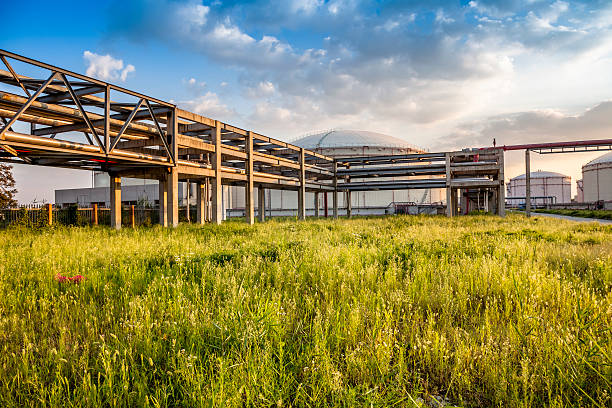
(576,146)
(462,172)
(80,122)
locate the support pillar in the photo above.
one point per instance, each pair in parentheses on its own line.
(249,197)
(115,201)
(201,202)
(335,196)
(501,195)
(94,214)
(455,193)
(317,204)
(132,216)
(449,192)
(302,187)
(527,183)
(163,202)
(187,194)
(216,187)
(172,182)
(261,202)
(325,209)
(349,204)
(207,200)
(49,213)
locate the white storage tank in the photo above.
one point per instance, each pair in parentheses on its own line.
(344,143)
(597,179)
(547,187)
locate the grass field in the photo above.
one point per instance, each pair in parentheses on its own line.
(600,214)
(396,311)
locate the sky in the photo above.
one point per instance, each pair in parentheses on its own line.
(440,74)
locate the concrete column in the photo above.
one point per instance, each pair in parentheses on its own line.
(455,200)
(325,210)
(302,187)
(187,194)
(449,193)
(115,201)
(95,214)
(463,201)
(261,202)
(317,204)
(335,195)
(163,202)
(527,183)
(207,216)
(501,195)
(249,197)
(216,187)
(201,202)
(49,209)
(172,183)
(349,204)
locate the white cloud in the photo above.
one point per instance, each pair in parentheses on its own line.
(264,89)
(106,67)
(209,105)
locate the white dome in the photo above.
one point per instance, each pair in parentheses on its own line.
(351,138)
(606,158)
(540,174)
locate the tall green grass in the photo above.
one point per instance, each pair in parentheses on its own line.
(397,311)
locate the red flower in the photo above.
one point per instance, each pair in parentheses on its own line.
(74,279)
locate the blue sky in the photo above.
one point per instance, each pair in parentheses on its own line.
(440,74)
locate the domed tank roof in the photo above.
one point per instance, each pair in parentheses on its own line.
(351,138)
(540,174)
(606,158)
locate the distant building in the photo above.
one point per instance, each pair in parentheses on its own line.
(133,191)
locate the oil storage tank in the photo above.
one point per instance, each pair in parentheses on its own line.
(597,179)
(345,143)
(547,187)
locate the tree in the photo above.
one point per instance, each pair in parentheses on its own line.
(7,186)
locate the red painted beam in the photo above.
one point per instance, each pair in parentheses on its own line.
(576,143)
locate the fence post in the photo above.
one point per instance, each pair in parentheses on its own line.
(50,214)
(95,214)
(132,216)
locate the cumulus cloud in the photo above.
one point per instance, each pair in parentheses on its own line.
(210,105)
(419,65)
(106,67)
(538,126)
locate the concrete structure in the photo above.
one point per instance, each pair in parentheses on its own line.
(64,119)
(546,188)
(597,179)
(337,144)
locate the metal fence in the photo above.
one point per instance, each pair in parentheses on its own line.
(47,214)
